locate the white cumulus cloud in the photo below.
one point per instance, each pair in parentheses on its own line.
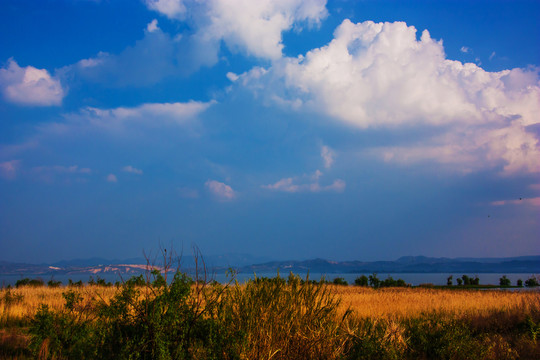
(111,178)
(30,86)
(254,27)
(220,190)
(173,9)
(152,26)
(379,75)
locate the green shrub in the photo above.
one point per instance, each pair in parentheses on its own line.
(504,281)
(278,320)
(390,282)
(374,281)
(53,283)
(433,337)
(340,281)
(29,282)
(378,340)
(361,281)
(158,321)
(75,284)
(532,282)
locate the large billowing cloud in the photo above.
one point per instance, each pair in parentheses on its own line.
(251,27)
(254,27)
(379,75)
(156,56)
(30,86)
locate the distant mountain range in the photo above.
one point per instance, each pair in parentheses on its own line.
(248,264)
(407,264)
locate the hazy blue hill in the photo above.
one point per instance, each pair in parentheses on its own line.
(249,264)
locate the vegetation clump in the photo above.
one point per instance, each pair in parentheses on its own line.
(29,282)
(166,314)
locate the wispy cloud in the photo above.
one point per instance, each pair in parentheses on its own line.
(111,178)
(188,193)
(328,156)
(50,173)
(521,201)
(132,170)
(9,169)
(220,190)
(309,183)
(119,120)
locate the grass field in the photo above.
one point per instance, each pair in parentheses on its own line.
(363,301)
(356,322)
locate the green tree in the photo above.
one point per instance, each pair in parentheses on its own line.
(532,282)
(504,281)
(361,281)
(340,281)
(374,281)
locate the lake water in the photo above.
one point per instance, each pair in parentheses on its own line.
(410,278)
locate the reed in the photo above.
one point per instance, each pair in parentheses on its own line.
(402,303)
(18,306)
(291,319)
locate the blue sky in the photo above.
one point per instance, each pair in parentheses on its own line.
(284,129)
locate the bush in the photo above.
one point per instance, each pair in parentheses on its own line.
(504,281)
(361,281)
(519,283)
(293,320)
(532,282)
(29,282)
(53,283)
(158,321)
(374,281)
(433,337)
(469,280)
(340,281)
(75,284)
(390,282)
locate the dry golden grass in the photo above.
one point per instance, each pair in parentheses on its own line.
(410,302)
(26,300)
(389,303)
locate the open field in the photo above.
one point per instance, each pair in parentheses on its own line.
(357,322)
(412,302)
(363,301)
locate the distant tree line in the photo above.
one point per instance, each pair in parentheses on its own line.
(376,283)
(56,283)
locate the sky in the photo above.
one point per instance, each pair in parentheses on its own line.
(290,129)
